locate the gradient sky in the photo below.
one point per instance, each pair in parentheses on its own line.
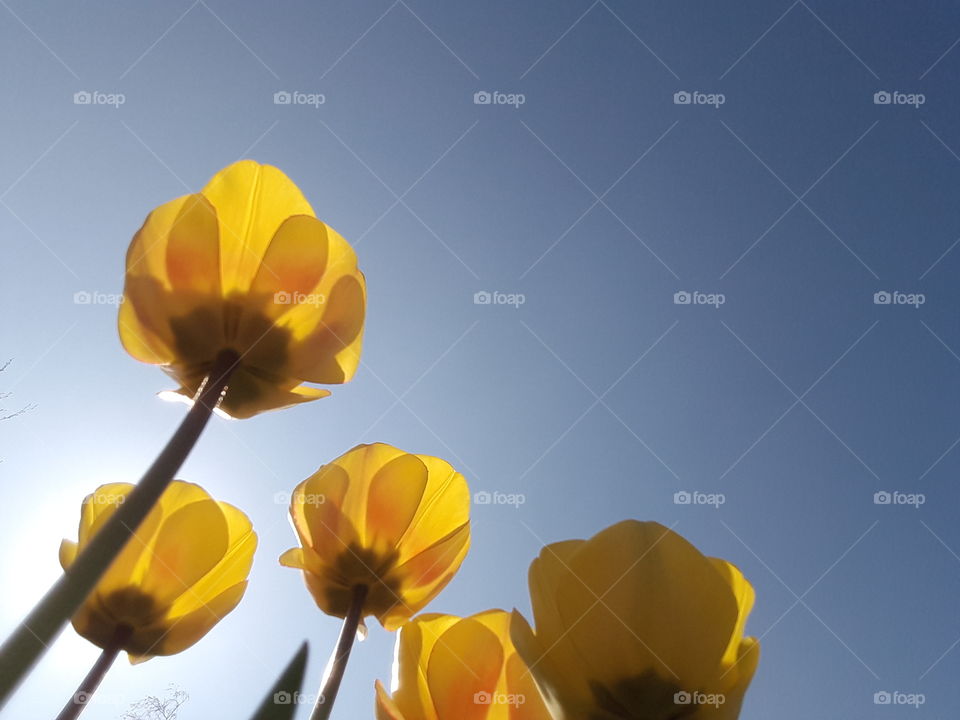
(599,398)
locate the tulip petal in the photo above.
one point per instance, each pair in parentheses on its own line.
(393,500)
(744,594)
(252,201)
(97,508)
(143,343)
(259,394)
(563,686)
(341,261)
(294,262)
(743,670)
(426,574)
(518,682)
(189,544)
(293,558)
(415,643)
(179,633)
(147,254)
(149,304)
(233,567)
(193,249)
(463,669)
(680,629)
(330,353)
(128,567)
(386,708)
(317,512)
(547,572)
(438,559)
(180,494)
(445,507)
(68,553)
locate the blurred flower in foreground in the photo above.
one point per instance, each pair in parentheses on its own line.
(183,570)
(245,267)
(448,668)
(637,623)
(393,524)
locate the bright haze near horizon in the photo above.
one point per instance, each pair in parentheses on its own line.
(733,229)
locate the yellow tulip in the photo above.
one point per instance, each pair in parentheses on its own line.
(451,668)
(244,266)
(637,623)
(183,570)
(379,518)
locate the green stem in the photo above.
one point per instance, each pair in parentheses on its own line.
(86,689)
(37,631)
(338,663)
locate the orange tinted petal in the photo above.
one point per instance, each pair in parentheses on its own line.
(393,499)
(295,260)
(193,249)
(463,670)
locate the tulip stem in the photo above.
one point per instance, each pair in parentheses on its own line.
(338,662)
(37,631)
(86,689)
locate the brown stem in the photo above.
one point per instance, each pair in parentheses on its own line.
(338,663)
(86,689)
(35,634)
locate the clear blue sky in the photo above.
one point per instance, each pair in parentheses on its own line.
(599,198)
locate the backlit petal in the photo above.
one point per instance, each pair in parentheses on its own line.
(463,669)
(251,201)
(189,543)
